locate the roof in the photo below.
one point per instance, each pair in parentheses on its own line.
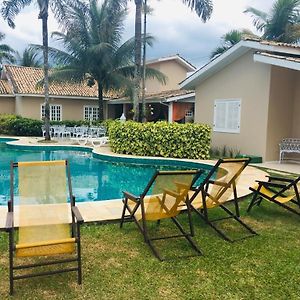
(24,80)
(182,61)
(164,96)
(5,88)
(289,53)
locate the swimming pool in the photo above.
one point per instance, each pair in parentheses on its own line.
(92,178)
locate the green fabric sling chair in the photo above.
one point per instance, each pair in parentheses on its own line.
(164,197)
(279,190)
(46,224)
(216,190)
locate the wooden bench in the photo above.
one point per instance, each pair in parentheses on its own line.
(289,145)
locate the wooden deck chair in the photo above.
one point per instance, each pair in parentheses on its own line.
(278,190)
(46,224)
(164,197)
(216,190)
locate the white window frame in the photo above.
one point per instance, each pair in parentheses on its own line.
(90,107)
(228,103)
(52,118)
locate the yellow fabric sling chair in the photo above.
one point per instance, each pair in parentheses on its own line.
(279,190)
(164,197)
(46,224)
(217,189)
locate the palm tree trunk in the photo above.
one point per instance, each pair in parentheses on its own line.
(138,55)
(144,65)
(44,18)
(100,102)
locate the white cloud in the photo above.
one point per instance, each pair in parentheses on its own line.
(176,28)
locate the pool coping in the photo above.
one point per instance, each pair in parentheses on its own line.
(110,210)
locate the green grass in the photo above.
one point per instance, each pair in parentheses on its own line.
(118,265)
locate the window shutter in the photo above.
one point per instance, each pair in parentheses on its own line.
(227,115)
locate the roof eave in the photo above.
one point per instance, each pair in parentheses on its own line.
(277,62)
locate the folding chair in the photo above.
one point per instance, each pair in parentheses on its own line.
(278,190)
(164,197)
(217,189)
(46,224)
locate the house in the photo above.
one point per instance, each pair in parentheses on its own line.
(164,101)
(250,95)
(20,95)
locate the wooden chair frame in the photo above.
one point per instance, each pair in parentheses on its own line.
(139,200)
(77,220)
(284,185)
(203,189)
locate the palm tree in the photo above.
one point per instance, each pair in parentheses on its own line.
(203,9)
(281,24)
(6,52)
(29,58)
(229,39)
(94,53)
(10,9)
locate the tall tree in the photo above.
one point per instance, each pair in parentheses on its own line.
(203,9)
(281,24)
(94,52)
(10,9)
(29,58)
(229,39)
(6,52)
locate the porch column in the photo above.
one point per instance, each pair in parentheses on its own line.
(170,112)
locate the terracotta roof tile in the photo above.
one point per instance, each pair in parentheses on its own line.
(284,57)
(24,80)
(270,43)
(5,88)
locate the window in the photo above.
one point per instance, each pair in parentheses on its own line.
(227,114)
(55,112)
(91,112)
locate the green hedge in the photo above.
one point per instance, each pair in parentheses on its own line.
(18,126)
(160,139)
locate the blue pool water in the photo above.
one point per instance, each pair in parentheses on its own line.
(92,178)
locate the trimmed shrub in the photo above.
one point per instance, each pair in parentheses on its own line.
(160,139)
(18,126)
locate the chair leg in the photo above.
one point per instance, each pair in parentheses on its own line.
(11,274)
(186,235)
(79,276)
(123,212)
(252,203)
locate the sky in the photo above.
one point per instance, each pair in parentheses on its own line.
(177,30)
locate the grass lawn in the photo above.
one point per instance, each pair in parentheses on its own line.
(118,265)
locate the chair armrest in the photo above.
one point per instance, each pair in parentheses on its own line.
(130,196)
(220,183)
(9,221)
(271,184)
(280,179)
(77,215)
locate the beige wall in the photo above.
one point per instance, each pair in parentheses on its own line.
(72,109)
(7,105)
(281,109)
(296,108)
(245,80)
(175,73)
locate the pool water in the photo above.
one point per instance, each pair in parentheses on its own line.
(92,178)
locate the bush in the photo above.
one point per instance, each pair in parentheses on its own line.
(160,139)
(18,126)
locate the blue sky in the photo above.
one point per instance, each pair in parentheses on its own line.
(175,27)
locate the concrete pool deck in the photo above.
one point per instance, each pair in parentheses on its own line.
(109,210)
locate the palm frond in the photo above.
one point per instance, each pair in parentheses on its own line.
(203,8)
(11,8)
